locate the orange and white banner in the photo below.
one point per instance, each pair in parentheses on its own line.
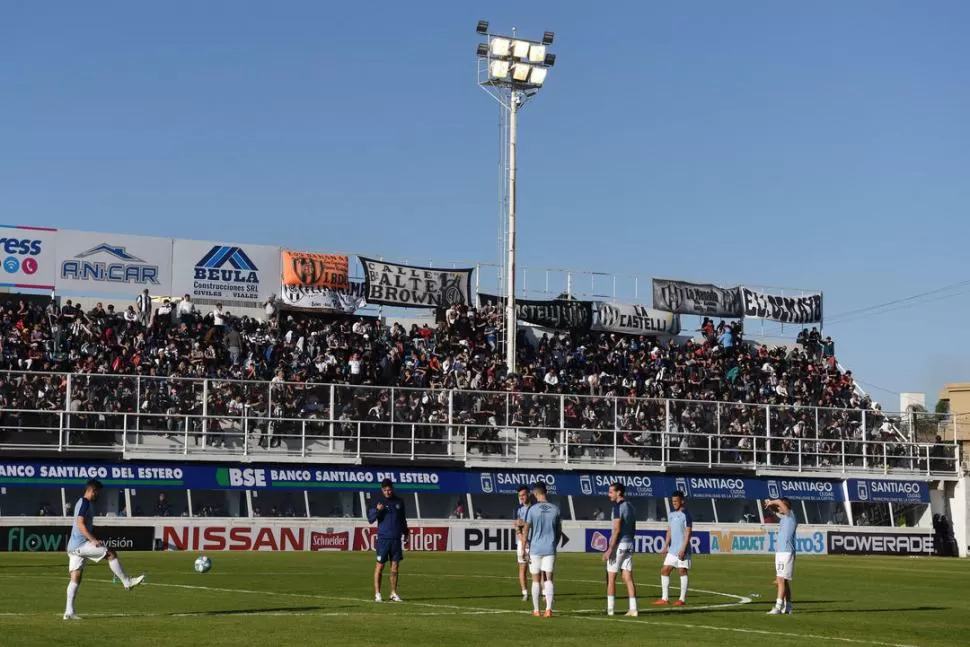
(303,269)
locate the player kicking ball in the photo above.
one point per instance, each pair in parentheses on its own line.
(543,530)
(619,554)
(83,547)
(680,527)
(784,553)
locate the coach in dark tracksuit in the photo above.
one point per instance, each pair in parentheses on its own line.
(392,532)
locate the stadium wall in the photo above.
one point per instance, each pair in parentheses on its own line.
(45,534)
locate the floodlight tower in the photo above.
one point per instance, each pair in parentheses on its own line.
(512,70)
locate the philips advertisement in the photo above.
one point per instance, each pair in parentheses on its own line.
(29,257)
(234,275)
(113,263)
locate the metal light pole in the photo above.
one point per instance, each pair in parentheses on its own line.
(512,70)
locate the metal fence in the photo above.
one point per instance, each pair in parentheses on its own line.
(168,418)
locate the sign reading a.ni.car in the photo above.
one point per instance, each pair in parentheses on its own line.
(113,263)
(233,274)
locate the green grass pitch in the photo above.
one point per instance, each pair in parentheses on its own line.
(473,599)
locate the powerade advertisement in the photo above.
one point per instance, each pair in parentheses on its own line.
(345,478)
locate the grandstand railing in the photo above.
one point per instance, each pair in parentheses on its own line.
(206,419)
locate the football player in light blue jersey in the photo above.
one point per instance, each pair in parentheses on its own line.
(83,547)
(619,554)
(543,530)
(784,553)
(676,549)
(522,558)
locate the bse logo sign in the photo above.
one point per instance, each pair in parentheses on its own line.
(227,264)
(113,265)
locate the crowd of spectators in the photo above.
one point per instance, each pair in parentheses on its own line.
(275,372)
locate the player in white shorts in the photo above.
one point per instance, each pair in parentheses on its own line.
(784,553)
(677,550)
(521,557)
(543,530)
(619,554)
(83,547)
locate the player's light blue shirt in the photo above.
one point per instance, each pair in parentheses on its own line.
(545,525)
(679,521)
(787,525)
(625,512)
(82,508)
(521,511)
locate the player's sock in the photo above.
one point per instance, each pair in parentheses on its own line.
(665,586)
(549,594)
(115,566)
(683,588)
(779,604)
(535,596)
(610,602)
(633,604)
(71,595)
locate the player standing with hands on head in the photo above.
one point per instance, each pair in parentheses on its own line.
(676,549)
(520,553)
(83,546)
(784,553)
(543,529)
(619,555)
(392,530)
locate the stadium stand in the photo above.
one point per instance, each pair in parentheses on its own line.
(230,383)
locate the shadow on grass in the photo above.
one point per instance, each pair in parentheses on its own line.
(263,610)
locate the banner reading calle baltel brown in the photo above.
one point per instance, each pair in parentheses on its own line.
(410,286)
(302,269)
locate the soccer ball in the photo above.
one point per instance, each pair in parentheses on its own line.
(203,564)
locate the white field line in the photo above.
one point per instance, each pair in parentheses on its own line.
(486,611)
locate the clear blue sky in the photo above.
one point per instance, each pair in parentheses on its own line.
(822,145)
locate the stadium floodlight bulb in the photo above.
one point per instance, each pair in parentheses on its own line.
(482,27)
(482,50)
(501,46)
(537,54)
(498,69)
(538,76)
(520,72)
(520,49)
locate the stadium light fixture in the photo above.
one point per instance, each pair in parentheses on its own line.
(512,70)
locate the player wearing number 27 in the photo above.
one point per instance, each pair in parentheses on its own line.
(784,553)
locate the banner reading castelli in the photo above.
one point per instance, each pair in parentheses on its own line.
(703,299)
(797,310)
(559,314)
(302,269)
(410,286)
(633,320)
